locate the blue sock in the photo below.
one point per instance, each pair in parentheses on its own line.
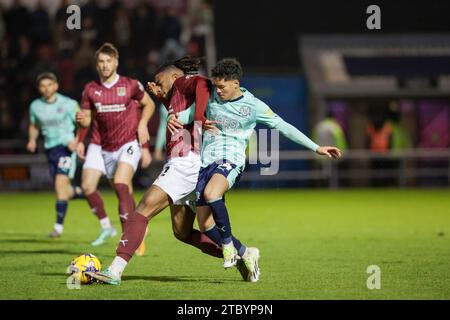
(61,210)
(221,218)
(77,193)
(214,235)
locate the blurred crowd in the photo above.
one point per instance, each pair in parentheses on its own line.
(34,40)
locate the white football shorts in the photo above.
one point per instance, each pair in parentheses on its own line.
(129,153)
(178,178)
(94,159)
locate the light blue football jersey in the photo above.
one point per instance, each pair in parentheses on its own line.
(56,120)
(236,121)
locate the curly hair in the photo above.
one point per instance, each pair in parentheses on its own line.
(186,64)
(227,69)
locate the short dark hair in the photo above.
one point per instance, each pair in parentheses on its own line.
(227,69)
(46,75)
(188,65)
(109,49)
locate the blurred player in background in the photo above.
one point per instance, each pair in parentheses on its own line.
(54,115)
(161,134)
(93,170)
(114,102)
(235,112)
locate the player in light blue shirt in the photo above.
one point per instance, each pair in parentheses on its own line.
(54,115)
(232,114)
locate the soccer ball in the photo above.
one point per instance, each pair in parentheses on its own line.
(82,264)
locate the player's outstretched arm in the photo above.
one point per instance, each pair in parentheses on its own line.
(148,108)
(265,115)
(84,118)
(292,133)
(33,134)
(330,152)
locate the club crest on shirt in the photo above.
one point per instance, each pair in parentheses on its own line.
(245,111)
(121,91)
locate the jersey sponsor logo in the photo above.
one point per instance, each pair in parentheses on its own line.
(227,123)
(121,91)
(245,111)
(52,123)
(110,107)
(98,93)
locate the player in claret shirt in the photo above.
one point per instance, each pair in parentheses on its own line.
(54,115)
(114,102)
(178,89)
(93,170)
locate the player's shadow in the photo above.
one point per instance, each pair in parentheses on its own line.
(175,279)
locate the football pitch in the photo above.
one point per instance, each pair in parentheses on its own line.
(315,244)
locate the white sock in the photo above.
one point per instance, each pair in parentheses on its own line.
(117,266)
(105,223)
(58,227)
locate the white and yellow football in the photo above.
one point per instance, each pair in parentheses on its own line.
(84,263)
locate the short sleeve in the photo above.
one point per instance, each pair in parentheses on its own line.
(32,114)
(85,101)
(137,90)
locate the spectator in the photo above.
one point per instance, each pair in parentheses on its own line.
(17,20)
(40,25)
(143,25)
(170,27)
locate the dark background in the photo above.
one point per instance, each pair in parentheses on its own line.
(263,34)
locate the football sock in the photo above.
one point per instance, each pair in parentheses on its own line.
(117,266)
(214,234)
(105,223)
(204,243)
(95,202)
(221,218)
(61,210)
(126,203)
(132,236)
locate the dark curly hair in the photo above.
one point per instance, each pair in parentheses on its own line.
(187,64)
(227,69)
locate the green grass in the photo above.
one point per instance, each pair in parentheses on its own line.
(315,244)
